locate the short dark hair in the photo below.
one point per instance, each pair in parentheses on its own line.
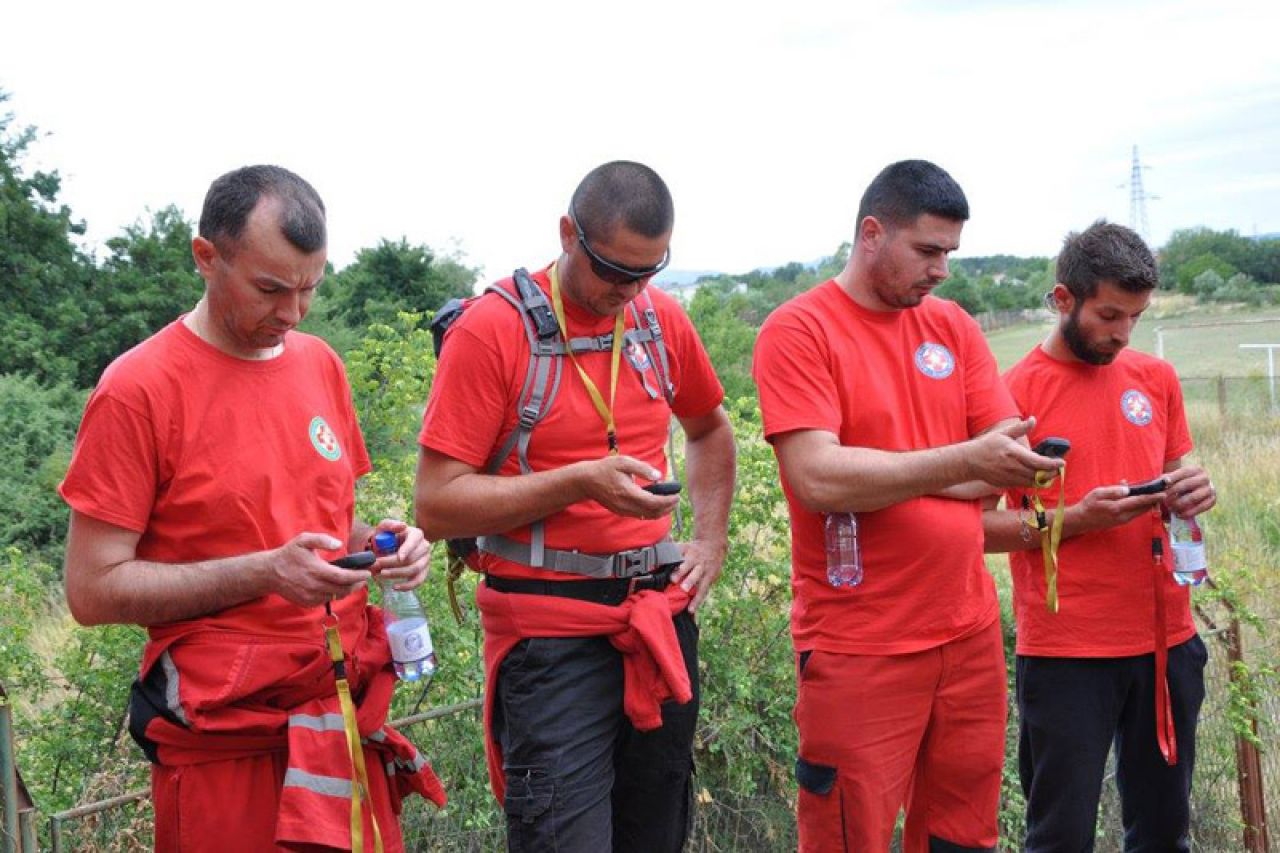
(623,193)
(232,197)
(906,189)
(1105,252)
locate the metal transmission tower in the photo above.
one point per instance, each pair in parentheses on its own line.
(1138,199)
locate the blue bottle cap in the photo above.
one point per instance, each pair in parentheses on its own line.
(385,542)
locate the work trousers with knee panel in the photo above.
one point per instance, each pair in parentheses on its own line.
(925,730)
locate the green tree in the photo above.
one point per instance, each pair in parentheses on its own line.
(39,426)
(146,281)
(42,273)
(393,277)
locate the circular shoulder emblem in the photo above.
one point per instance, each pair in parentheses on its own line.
(935,360)
(323,439)
(1136,407)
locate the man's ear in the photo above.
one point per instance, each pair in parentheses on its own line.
(1062,298)
(205,253)
(871,233)
(568,233)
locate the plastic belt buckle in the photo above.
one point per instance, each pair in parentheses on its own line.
(630,564)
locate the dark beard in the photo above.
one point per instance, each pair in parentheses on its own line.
(1078,345)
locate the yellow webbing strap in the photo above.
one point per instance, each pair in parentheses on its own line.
(615,358)
(359,775)
(1049,543)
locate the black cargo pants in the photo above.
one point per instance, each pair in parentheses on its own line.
(579,776)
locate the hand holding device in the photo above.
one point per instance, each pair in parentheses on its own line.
(1053,447)
(358,560)
(1151,487)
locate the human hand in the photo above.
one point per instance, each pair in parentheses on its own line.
(1106,507)
(699,569)
(300,575)
(611,482)
(1190,491)
(999,458)
(411,561)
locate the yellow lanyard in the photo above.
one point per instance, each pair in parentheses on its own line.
(359,775)
(619,327)
(1049,543)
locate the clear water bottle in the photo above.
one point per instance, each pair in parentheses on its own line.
(407,631)
(844,556)
(1190,565)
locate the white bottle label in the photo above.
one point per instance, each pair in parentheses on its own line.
(1189,557)
(410,640)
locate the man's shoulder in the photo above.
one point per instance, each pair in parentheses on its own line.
(144,365)
(1145,364)
(807,307)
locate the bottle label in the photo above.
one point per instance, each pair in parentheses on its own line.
(1189,557)
(409,643)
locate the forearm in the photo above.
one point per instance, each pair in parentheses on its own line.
(861,479)
(711,470)
(146,593)
(1006,531)
(477,504)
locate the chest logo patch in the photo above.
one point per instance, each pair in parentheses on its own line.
(1136,407)
(935,360)
(636,355)
(324,440)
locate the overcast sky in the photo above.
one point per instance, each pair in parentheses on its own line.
(466,125)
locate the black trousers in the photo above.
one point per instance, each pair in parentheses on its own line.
(1072,710)
(579,776)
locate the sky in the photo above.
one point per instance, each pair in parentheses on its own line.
(466,125)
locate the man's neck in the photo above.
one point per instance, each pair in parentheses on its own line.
(199,322)
(1055,346)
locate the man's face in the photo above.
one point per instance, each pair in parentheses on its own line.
(621,248)
(258,287)
(909,261)
(1097,329)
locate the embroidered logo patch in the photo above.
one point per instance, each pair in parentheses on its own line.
(323,439)
(935,360)
(636,355)
(1136,407)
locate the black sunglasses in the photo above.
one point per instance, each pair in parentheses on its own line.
(619,275)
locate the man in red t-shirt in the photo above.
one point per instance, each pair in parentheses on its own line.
(212,481)
(883,401)
(587,605)
(1089,674)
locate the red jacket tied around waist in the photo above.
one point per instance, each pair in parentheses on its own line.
(217,695)
(640,628)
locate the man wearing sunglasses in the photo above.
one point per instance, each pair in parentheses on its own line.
(548,414)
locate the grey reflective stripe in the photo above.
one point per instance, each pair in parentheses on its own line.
(623,564)
(330,786)
(321,723)
(413,765)
(378,737)
(171,695)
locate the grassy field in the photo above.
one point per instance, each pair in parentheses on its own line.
(1193,351)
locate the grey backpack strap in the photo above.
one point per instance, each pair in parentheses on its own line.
(541,381)
(654,344)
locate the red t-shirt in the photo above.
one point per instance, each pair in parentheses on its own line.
(1125,421)
(472,409)
(894,380)
(208,456)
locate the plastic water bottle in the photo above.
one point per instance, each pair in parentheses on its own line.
(844,557)
(407,631)
(1190,565)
